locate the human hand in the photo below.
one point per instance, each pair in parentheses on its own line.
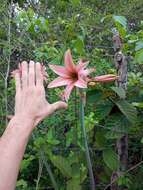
(30,101)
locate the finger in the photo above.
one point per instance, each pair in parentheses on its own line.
(58,105)
(31,73)
(24,67)
(18,81)
(39,75)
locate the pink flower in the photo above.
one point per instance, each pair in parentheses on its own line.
(70,75)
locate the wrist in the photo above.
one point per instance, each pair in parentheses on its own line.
(23,118)
(21,124)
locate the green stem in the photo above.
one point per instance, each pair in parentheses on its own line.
(49,170)
(88,159)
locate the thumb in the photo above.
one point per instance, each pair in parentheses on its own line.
(59,105)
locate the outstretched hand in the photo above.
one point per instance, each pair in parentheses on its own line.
(30,101)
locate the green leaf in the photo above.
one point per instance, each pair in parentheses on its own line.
(106,18)
(139,45)
(51,139)
(121,20)
(79,45)
(73,184)
(22,184)
(138,104)
(62,164)
(111,159)
(120,91)
(139,56)
(122,31)
(26,162)
(128,110)
(100,139)
(94,96)
(103,109)
(113,135)
(117,122)
(89,122)
(75,3)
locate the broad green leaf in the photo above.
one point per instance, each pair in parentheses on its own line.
(122,31)
(139,56)
(139,45)
(62,164)
(94,96)
(103,109)
(111,159)
(128,110)
(121,20)
(117,122)
(120,91)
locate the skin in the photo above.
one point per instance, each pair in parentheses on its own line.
(31,107)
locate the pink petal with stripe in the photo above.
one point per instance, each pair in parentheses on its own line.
(59,82)
(59,70)
(81,65)
(81,83)
(68,91)
(86,72)
(69,62)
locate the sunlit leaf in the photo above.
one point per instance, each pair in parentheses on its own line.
(120,91)
(128,110)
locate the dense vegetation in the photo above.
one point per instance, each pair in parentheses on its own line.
(42,31)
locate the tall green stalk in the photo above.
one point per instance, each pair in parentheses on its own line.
(48,168)
(88,159)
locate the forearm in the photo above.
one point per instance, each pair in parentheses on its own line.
(12,147)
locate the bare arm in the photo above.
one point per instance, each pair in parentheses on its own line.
(30,108)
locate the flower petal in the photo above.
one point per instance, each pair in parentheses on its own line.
(86,72)
(105,78)
(81,83)
(68,91)
(69,62)
(59,82)
(59,70)
(81,65)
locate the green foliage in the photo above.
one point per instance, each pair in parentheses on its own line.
(119,91)
(111,159)
(43,30)
(128,110)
